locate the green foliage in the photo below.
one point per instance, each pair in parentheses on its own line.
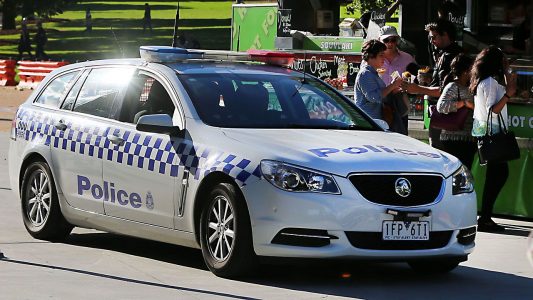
(43,8)
(363,6)
(208,22)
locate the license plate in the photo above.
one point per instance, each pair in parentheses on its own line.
(405,230)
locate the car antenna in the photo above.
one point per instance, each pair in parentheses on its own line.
(305,61)
(175,34)
(118,42)
(238,37)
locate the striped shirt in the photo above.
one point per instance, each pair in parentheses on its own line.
(447,103)
(367,89)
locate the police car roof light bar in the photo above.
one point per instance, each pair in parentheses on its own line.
(224,55)
(276,58)
(167,54)
(171,54)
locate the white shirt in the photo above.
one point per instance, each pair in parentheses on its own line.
(488,93)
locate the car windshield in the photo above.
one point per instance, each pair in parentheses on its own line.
(271,101)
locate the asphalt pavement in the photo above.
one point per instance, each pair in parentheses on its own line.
(96,265)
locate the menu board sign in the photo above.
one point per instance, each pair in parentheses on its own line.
(458,19)
(328,65)
(284,22)
(378,17)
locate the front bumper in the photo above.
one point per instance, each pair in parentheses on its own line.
(354,223)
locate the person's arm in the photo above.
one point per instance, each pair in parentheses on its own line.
(413,88)
(448,100)
(510,90)
(370,87)
(395,85)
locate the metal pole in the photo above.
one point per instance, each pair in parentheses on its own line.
(176,20)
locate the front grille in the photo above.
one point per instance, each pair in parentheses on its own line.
(374,241)
(381,189)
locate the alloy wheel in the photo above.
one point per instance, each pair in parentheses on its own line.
(221,228)
(38,197)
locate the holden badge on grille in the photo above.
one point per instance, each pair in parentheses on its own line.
(402,187)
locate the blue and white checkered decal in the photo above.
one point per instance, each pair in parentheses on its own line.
(139,151)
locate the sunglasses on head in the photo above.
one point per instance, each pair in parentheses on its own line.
(390,40)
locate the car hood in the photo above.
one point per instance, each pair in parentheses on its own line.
(342,152)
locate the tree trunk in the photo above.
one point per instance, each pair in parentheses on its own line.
(28,8)
(9,14)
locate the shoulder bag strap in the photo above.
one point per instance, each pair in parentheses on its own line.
(501,122)
(489,122)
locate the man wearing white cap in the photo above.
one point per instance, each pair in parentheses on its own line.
(395,59)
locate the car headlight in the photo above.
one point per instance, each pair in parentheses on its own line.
(462,181)
(297,179)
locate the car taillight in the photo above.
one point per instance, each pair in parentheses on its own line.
(14,127)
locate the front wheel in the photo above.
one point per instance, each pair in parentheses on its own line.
(40,205)
(225,233)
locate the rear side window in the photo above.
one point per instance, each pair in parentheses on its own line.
(102,87)
(52,94)
(146,95)
(69,101)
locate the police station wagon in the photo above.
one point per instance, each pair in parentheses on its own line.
(242,159)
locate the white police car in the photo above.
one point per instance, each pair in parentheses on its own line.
(241,159)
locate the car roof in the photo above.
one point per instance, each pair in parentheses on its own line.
(105,62)
(194,66)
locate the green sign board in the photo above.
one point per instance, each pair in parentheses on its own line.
(254,26)
(332,43)
(520,119)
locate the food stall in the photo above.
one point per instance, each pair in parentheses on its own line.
(330,49)
(309,29)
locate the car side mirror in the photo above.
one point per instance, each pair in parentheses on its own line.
(382,124)
(157,123)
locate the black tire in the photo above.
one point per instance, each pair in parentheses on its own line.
(40,205)
(436,266)
(236,256)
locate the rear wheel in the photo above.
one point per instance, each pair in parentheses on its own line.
(40,205)
(435,266)
(225,233)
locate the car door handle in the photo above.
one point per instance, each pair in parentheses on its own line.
(115,139)
(61,125)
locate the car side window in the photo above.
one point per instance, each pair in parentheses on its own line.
(102,87)
(52,94)
(320,106)
(68,103)
(146,95)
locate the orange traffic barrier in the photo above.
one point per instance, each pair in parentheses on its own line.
(7,72)
(31,73)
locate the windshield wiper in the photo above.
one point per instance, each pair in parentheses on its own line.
(334,127)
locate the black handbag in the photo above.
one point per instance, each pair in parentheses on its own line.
(497,147)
